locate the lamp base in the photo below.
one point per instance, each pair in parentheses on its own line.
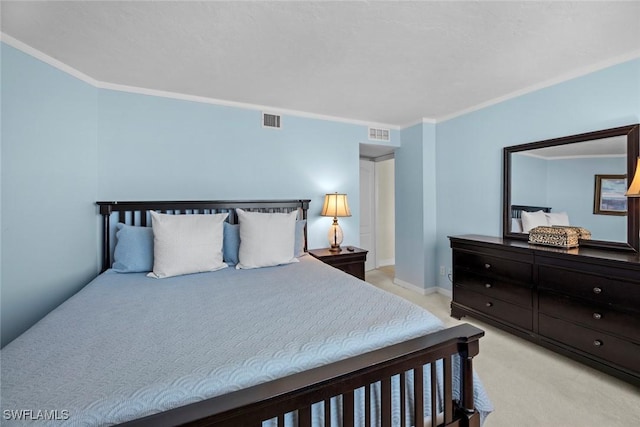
(335,236)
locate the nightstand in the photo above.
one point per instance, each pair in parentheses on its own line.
(347,261)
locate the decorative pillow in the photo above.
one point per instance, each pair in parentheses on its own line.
(532,220)
(266,239)
(231,244)
(516,225)
(557,218)
(185,244)
(298,249)
(134,249)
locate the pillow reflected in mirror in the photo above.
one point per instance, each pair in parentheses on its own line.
(532,220)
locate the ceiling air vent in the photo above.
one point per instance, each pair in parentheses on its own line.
(271,121)
(376,134)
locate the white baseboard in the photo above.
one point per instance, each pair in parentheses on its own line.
(410,286)
(386,262)
(446,292)
(422,291)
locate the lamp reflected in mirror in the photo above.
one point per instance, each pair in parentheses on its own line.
(634,188)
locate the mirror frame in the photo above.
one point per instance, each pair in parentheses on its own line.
(633,204)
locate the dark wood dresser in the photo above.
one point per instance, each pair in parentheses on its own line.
(583,303)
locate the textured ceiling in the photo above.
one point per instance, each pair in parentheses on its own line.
(385,62)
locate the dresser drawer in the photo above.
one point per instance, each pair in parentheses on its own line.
(591,315)
(599,289)
(501,310)
(493,266)
(495,288)
(599,344)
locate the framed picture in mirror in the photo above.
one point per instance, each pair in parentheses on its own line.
(608,197)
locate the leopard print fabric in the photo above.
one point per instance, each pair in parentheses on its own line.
(565,237)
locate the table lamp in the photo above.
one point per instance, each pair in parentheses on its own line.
(634,188)
(335,205)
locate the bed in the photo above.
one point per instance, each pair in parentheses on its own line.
(270,346)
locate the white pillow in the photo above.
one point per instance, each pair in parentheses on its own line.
(185,244)
(516,225)
(557,218)
(266,239)
(532,220)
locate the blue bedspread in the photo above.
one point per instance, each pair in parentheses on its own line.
(127,345)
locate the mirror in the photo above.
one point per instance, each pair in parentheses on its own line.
(577,180)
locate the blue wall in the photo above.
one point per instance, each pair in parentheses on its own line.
(49,181)
(416,225)
(160,148)
(67,144)
(469,147)
(430,230)
(409,187)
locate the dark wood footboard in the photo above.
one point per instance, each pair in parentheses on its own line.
(296,393)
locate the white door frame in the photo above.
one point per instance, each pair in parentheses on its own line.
(368,231)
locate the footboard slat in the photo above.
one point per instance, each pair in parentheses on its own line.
(347,409)
(298,392)
(403,400)
(434,395)
(385,404)
(418,392)
(327,413)
(448,391)
(304,416)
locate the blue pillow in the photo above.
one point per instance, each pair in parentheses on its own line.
(298,249)
(231,243)
(134,249)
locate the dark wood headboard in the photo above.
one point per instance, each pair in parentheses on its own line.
(137,213)
(516,210)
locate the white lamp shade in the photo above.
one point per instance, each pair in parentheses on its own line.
(634,188)
(335,205)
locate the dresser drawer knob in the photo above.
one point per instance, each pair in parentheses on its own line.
(597,290)
(597,316)
(487,266)
(489,304)
(487,285)
(597,343)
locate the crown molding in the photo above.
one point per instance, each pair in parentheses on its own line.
(5,38)
(424,120)
(547,83)
(234,104)
(13,42)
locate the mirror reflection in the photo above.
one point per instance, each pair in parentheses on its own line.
(563,179)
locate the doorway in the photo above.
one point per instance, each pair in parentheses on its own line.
(377,205)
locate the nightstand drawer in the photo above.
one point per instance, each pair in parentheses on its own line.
(501,310)
(596,343)
(495,288)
